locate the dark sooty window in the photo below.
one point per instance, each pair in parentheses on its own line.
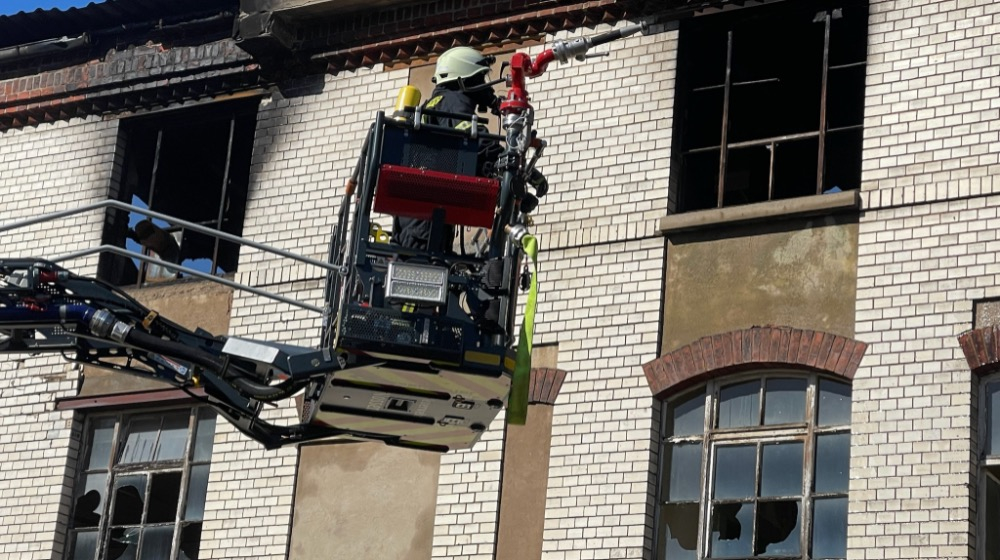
(771,103)
(192,164)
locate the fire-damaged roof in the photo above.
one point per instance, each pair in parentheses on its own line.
(29,27)
(130,54)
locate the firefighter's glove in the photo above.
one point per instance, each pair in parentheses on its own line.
(538,182)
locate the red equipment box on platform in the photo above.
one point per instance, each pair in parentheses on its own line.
(416,193)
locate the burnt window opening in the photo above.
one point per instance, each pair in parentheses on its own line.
(141,487)
(771,103)
(756,467)
(191,164)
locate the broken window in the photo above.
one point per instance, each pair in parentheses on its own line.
(771,103)
(142,486)
(990,492)
(756,468)
(191,164)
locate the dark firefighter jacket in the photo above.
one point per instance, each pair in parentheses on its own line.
(411,232)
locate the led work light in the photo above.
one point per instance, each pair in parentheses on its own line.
(414,282)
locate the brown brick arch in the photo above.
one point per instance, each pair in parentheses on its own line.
(982,349)
(545,385)
(752,348)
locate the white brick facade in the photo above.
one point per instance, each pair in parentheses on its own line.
(52,168)
(601,287)
(927,250)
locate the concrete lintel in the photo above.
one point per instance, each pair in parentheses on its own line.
(762,211)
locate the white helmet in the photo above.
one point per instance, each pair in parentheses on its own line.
(461,63)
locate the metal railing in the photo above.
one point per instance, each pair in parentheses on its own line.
(105,248)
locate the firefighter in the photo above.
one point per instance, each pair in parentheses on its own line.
(460,86)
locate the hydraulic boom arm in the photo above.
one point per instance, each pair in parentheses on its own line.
(45,308)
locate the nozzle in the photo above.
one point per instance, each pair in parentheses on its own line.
(618,33)
(634,28)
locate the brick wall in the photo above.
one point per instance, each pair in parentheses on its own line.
(305,148)
(597,233)
(123,79)
(51,168)
(609,124)
(926,251)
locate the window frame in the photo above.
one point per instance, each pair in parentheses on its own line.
(723,146)
(237,114)
(198,416)
(989,467)
(712,438)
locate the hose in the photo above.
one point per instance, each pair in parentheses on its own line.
(58,313)
(268,393)
(248,387)
(105,325)
(616,34)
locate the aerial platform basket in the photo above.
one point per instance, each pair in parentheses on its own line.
(426,335)
(417,345)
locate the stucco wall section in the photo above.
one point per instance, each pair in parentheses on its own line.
(364,500)
(45,169)
(800,273)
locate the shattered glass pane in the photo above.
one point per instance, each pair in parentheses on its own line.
(90,500)
(739,405)
(993,419)
(129,497)
(778,532)
(140,443)
(123,543)
(682,531)
(735,468)
(785,401)
(833,462)
(190,542)
(685,472)
(156,543)
(164,495)
(173,437)
(834,403)
(688,415)
(102,433)
(85,546)
(732,530)
(781,469)
(194,509)
(205,435)
(829,531)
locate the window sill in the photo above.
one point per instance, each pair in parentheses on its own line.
(762,211)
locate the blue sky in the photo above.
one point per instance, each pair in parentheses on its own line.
(8,7)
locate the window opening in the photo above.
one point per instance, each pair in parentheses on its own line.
(193,164)
(756,467)
(772,103)
(990,480)
(142,486)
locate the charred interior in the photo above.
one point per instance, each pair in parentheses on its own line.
(771,100)
(194,165)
